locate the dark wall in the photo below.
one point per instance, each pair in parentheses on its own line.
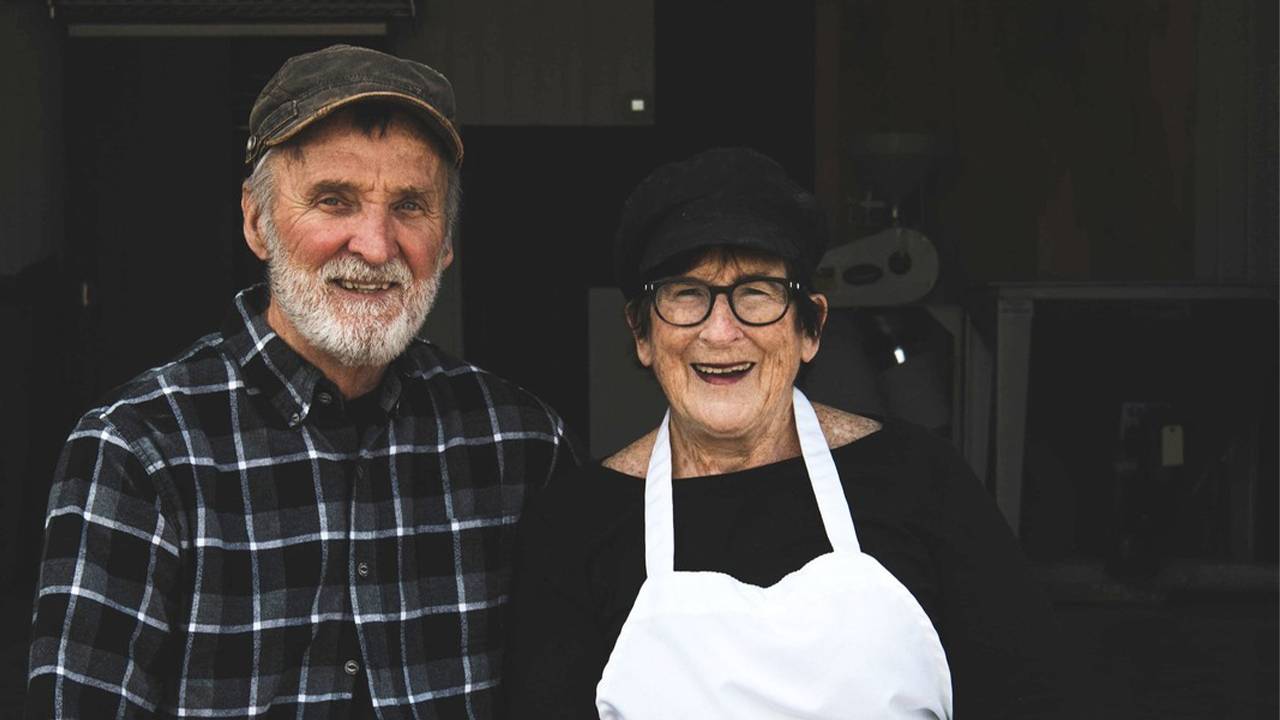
(542,203)
(37,311)
(1082,141)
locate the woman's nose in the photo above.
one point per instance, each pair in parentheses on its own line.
(721,326)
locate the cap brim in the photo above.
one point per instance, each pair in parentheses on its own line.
(444,128)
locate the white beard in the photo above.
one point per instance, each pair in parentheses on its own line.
(354,331)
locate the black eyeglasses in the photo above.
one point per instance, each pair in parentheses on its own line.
(756,301)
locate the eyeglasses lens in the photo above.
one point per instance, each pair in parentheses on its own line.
(683,303)
(759,301)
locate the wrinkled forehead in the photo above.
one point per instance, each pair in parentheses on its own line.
(375,121)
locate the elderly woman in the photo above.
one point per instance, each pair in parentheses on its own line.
(755,555)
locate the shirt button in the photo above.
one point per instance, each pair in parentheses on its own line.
(362,569)
(359,472)
(324,398)
(352,667)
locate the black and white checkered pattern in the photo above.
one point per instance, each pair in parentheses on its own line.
(228,538)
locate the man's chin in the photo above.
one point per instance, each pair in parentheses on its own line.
(372,321)
(367,345)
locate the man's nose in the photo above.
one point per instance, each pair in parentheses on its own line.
(721,326)
(373,237)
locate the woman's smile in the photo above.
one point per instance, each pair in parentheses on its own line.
(722,373)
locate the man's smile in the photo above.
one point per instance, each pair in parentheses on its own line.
(363,287)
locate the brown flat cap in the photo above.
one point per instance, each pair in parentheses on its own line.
(311,86)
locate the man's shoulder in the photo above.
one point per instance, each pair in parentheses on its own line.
(481,398)
(435,365)
(202,368)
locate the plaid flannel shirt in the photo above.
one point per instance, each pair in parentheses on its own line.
(225,540)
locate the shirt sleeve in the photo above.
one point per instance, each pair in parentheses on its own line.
(997,626)
(569,450)
(101,642)
(555,648)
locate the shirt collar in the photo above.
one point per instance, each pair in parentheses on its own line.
(273,368)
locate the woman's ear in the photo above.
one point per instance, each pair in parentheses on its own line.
(823,309)
(644,349)
(810,343)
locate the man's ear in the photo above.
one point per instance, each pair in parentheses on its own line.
(252,237)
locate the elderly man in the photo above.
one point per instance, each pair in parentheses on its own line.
(309,513)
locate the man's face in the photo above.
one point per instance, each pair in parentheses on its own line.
(355,241)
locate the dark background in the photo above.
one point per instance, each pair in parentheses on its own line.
(1130,142)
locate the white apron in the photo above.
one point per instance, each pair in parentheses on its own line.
(838,638)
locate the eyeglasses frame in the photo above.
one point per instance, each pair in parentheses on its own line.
(791,286)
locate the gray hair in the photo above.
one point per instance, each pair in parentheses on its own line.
(261,185)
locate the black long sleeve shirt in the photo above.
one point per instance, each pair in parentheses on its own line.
(916,507)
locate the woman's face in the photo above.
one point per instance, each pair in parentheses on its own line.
(724,379)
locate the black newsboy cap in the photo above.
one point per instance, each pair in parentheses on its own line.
(731,197)
(311,86)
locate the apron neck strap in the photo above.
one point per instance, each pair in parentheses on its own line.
(659,527)
(827,489)
(659,533)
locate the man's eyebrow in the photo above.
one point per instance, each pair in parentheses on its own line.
(320,187)
(413,191)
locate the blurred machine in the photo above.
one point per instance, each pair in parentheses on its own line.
(888,262)
(885,351)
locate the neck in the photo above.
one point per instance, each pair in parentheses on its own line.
(694,454)
(352,381)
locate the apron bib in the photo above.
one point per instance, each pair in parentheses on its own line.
(838,638)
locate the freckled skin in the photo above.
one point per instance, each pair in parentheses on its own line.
(839,427)
(377,222)
(377,197)
(720,428)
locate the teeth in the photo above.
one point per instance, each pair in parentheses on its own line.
(363,287)
(709,370)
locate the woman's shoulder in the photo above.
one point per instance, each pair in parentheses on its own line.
(910,457)
(842,428)
(633,459)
